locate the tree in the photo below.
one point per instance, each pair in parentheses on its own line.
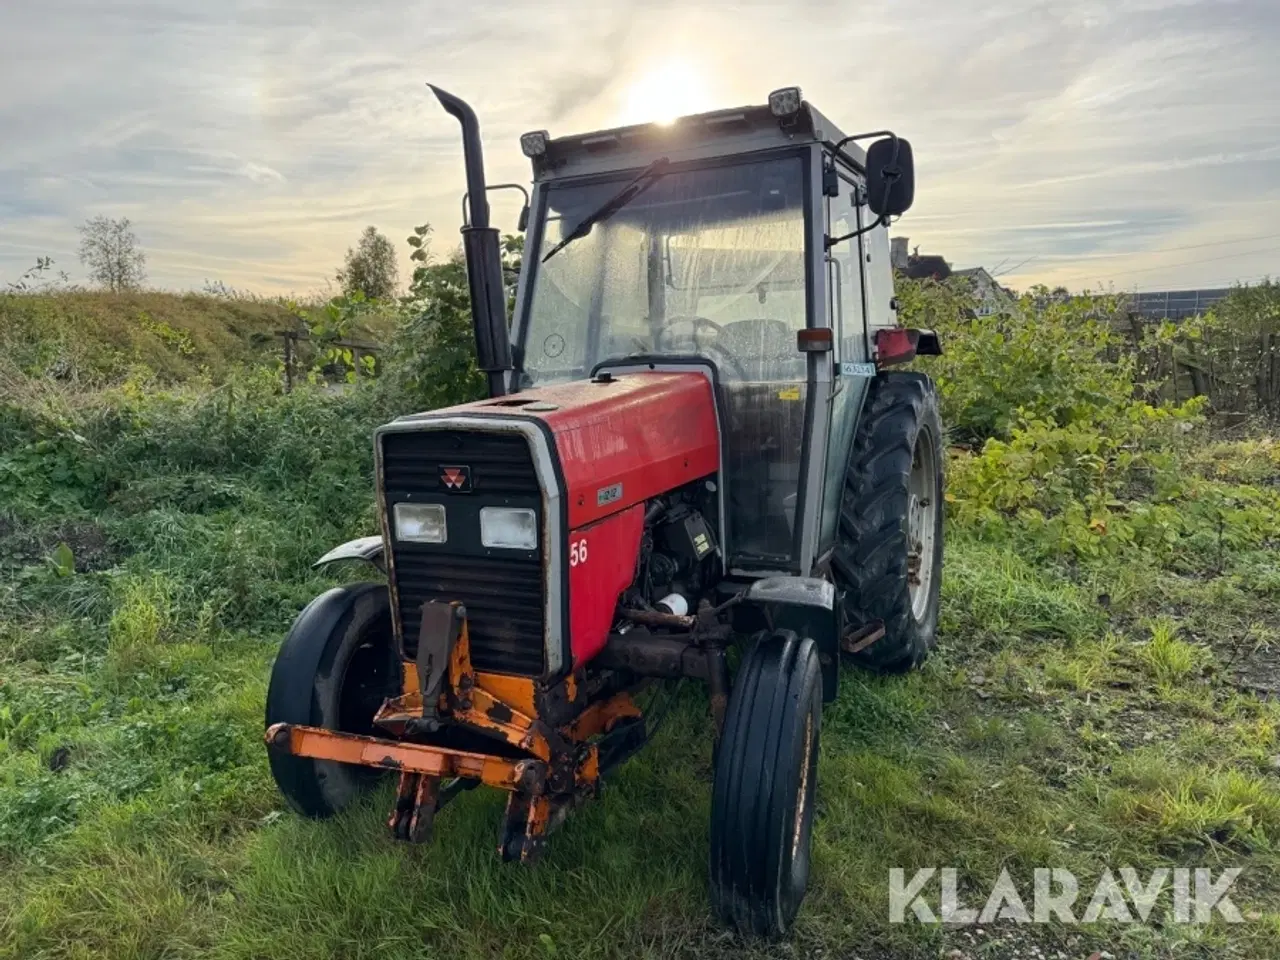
(371,267)
(109,248)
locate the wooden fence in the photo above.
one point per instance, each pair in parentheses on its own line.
(292,339)
(1238,372)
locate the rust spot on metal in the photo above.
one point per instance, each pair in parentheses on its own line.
(424,810)
(601,717)
(655,618)
(862,638)
(515,692)
(421,758)
(499,712)
(279,736)
(719,704)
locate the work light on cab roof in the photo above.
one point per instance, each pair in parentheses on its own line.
(696,437)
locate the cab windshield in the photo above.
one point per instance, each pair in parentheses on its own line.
(706,262)
(703,262)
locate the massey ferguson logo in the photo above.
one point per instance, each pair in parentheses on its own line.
(456,479)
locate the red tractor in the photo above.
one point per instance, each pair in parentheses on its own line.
(691,444)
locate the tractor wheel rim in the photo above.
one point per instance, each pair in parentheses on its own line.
(802,791)
(922,523)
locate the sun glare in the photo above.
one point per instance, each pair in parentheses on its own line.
(667,91)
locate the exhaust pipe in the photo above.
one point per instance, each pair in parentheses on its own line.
(484,257)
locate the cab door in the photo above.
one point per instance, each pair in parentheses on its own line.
(847,308)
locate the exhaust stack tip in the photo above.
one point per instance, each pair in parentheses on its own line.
(444,96)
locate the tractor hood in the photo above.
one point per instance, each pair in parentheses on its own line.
(618,440)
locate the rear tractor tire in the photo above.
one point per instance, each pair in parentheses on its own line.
(887,563)
(762,803)
(336,666)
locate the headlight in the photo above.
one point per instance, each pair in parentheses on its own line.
(514,527)
(534,144)
(420,522)
(785,102)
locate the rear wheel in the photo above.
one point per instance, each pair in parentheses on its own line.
(336,666)
(888,558)
(763,799)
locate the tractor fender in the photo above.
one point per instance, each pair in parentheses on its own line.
(290,696)
(369,549)
(806,605)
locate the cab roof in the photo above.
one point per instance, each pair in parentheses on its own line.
(696,137)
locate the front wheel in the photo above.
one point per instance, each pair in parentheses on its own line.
(334,669)
(763,799)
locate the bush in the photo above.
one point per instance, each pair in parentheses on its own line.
(1044,359)
(1070,460)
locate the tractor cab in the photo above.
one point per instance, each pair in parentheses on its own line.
(743,238)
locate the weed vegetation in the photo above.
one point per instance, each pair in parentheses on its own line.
(1102,695)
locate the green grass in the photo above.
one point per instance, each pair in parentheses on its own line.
(87,337)
(93,336)
(1088,709)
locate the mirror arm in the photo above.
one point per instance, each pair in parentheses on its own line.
(891,174)
(864,136)
(881,221)
(838,146)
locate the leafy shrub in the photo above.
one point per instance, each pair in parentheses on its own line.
(432,360)
(1070,460)
(1044,359)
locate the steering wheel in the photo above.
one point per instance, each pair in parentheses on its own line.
(695,322)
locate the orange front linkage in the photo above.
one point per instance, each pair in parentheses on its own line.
(320,744)
(562,766)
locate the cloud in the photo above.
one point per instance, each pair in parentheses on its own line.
(1096,141)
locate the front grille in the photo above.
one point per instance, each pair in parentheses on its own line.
(500,463)
(503,600)
(504,595)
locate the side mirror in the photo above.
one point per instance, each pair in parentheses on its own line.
(891,177)
(523,223)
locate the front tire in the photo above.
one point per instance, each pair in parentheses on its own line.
(888,557)
(763,800)
(336,666)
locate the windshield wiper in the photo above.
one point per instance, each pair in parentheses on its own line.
(643,181)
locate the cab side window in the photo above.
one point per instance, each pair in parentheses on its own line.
(844,261)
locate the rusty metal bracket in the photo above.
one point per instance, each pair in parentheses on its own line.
(424,809)
(417,800)
(601,717)
(863,637)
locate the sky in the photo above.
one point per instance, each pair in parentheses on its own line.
(1100,144)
